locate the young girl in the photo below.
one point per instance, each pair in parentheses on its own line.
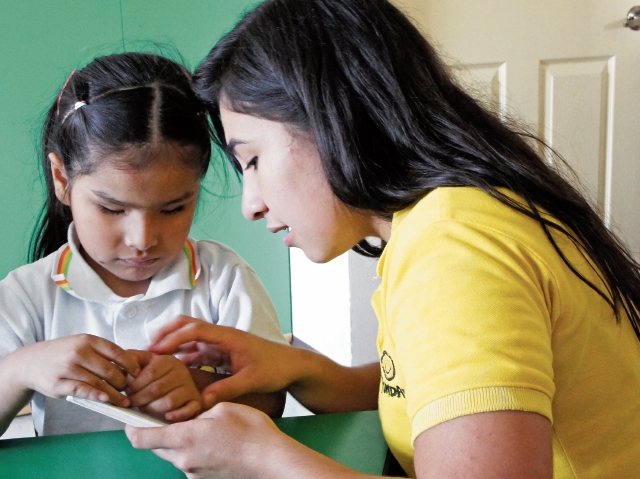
(124,148)
(509,314)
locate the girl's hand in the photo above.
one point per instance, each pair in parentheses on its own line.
(164,388)
(229,440)
(256,364)
(81,365)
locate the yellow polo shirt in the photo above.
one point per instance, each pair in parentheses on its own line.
(479,313)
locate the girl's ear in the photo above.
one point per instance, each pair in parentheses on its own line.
(60,179)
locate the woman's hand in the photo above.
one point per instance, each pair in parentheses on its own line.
(256,364)
(235,441)
(164,388)
(81,365)
(229,440)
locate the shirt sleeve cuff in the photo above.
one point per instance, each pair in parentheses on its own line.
(479,400)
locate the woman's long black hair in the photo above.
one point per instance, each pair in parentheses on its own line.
(391,124)
(117,103)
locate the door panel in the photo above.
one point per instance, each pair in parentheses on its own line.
(487,82)
(575,118)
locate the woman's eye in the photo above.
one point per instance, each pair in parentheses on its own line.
(108,211)
(236,164)
(252,164)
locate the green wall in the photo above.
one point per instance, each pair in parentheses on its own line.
(41,41)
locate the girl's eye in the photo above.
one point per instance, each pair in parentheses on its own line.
(253,163)
(174,210)
(108,211)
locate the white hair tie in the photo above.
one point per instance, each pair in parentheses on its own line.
(79,104)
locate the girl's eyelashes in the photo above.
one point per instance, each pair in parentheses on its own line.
(253,163)
(108,211)
(173,211)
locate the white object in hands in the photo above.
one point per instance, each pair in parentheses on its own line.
(122,414)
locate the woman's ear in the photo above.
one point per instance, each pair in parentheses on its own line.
(60,178)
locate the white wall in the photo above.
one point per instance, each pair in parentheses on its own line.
(363,281)
(331,309)
(320,303)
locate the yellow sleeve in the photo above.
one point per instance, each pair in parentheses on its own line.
(469,310)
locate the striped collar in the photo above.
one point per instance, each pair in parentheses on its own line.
(63,268)
(74,275)
(190,253)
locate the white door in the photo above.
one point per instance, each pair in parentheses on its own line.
(569,69)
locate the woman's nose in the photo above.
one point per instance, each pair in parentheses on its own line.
(253,207)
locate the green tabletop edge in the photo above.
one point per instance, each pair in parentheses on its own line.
(353,439)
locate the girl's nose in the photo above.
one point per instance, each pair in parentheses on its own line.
(253,207)
(141,233)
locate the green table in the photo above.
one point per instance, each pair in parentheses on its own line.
(353,439)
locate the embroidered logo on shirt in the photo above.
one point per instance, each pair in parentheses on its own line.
(391,391)
(389,372)
(387,366)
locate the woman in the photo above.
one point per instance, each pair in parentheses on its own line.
(508,313)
